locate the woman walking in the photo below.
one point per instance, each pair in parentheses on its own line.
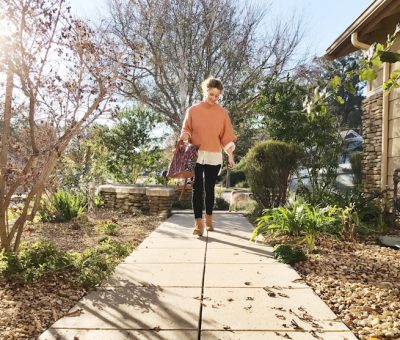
(208,126)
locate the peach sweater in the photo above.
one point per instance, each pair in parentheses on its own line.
(208,126)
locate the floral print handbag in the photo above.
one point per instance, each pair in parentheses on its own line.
(183,162)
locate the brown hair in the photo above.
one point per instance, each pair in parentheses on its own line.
(211,83)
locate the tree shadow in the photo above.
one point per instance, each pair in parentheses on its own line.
(125,308)
(258,250)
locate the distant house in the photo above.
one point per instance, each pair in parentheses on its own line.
(352,141)
(349,134)
(381,113)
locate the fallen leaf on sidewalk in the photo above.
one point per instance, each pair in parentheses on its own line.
(296,326)
(247,283)
(315,335)
(270,292)
(230,300)
(298,281)
(75,312)
(283,295)
(286,336)
(247,308)
(282,317)
(157,328)
(306,317)
(250,298)
(226,327)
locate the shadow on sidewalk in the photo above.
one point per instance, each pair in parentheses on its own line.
(256,249)
(122,308)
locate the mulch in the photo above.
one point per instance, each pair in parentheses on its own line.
(28,310)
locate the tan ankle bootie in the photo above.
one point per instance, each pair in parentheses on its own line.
(198,227)
(209,223)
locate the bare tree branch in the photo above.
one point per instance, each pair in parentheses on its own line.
(182,42)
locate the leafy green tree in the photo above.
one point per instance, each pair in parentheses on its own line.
(321,142)
(132,147)
(278,108)
(309,123)
(119,152)
(270,115)
(85,161)
(343,72)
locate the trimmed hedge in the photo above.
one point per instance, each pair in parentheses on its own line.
(267,168)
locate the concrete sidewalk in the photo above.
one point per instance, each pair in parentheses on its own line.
(220,286)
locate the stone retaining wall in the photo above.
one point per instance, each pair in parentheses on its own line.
(372,148)
(128,198)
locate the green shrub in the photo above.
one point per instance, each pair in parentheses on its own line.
(96,263)
(109,228)
(368,210)
(297,219)
(268,165)
(103,239)
(98,201)
(69,205)
(9,263)
(286,254)
(355,161)
(62,206)
(34,261)
(46,211)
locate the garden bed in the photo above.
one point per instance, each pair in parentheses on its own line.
(26,310)
(360,282)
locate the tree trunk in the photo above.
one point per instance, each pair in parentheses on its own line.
(5,144)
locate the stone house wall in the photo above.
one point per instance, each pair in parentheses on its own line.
(372,149)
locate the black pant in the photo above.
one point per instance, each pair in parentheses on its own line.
(205,176)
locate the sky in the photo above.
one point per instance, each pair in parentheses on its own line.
(323,21)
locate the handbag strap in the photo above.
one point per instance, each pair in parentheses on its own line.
(183,190)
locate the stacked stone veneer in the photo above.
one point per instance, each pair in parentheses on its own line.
(156,201)
(187,194)
(372,149)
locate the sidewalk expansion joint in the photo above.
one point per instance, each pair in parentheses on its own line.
(202,291)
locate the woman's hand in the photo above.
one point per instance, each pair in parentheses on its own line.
(231,161)
(184,137)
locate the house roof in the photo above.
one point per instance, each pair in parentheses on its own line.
(349,134)
(373,25)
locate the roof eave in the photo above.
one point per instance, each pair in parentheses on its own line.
(342,45)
